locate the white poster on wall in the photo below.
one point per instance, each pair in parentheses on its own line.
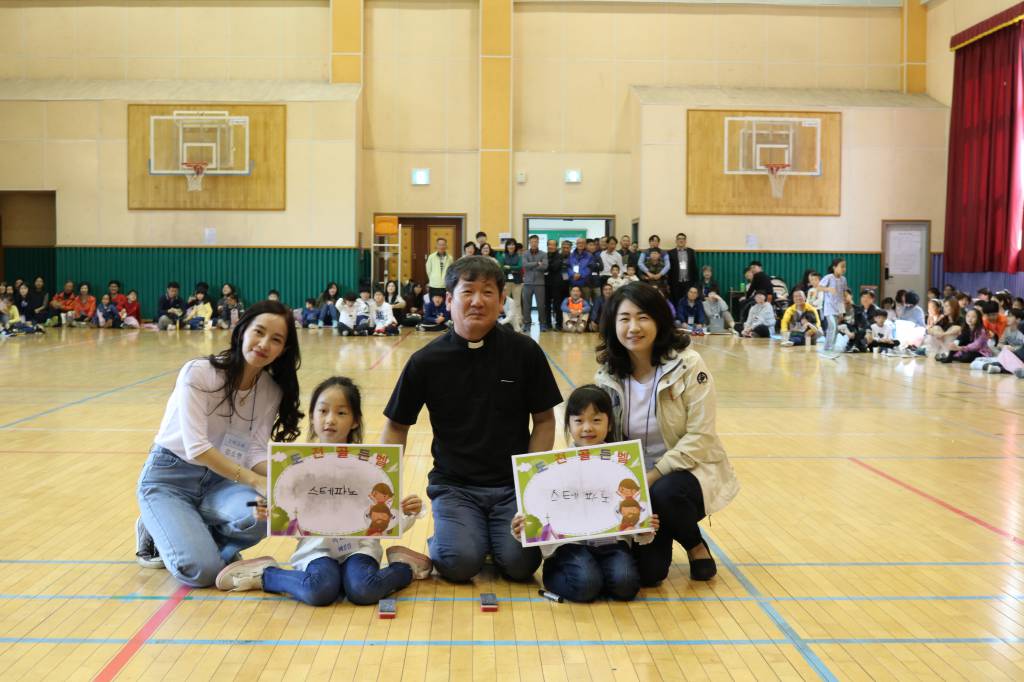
(905,252)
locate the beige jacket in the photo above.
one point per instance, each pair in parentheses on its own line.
(686,417)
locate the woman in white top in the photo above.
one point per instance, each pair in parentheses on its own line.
(664,396)
(209,458)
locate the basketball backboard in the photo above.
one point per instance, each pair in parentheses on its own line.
(754,143)
(185,138)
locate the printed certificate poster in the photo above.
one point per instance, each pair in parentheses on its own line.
(582,493)
(334,490)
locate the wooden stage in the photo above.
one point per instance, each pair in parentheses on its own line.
(879,533)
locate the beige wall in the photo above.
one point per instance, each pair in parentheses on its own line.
(421,107)
(946,18)
(893,167)
(574,65)
(28,218)
(177,39)
(79,149)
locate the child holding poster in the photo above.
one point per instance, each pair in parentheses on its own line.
(582,572)
(330,568)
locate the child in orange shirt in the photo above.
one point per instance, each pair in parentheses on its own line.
(85,307)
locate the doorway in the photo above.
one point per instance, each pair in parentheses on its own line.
(568,228)
(906,262)
(419,236)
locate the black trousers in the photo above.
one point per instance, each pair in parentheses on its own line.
(556,293)
(678,501)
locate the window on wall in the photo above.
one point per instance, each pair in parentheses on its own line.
(569,228)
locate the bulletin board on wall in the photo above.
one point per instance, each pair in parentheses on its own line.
(729,152)
(250,156)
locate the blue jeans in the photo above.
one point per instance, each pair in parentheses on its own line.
(830,333)
(359,577)
(469,523)
(582,573)
(328,314)
(198,519)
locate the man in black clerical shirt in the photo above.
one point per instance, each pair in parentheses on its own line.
(482,384)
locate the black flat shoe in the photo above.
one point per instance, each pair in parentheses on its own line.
(703,569)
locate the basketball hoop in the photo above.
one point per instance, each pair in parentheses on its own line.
(195,178)
(777,174)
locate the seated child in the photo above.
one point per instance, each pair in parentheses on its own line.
(976,338)
(435,315)
(584,571)
(1011,345)
(882,334)
(630,275)
(350,322)
(574,311)
(311,315)
(230,311)
(616,279)
(273,295)
(384,322)
(106,314)
(130,315)
(413,298)
(800,323)
(199,312)
(690,312)
(889,306)
(994,321)
(760,318)
(327,568)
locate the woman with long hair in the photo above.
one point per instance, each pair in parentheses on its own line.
(208,459)
(664,396)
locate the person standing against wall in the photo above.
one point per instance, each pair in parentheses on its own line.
(437,265)
(535,265)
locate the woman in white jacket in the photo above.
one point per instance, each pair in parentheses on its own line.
(664,396)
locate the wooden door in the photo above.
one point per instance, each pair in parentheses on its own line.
(419,237)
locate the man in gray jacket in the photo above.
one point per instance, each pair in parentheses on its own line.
(535,264)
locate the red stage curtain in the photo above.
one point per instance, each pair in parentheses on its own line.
(984,197)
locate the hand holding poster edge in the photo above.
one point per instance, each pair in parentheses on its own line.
(613,469)
(345,490)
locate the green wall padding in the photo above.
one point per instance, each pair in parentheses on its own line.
(728,266)
(27,262)
(298,273)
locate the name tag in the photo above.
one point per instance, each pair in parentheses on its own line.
(576,269)
(236,446)
(511,277)
(689,320)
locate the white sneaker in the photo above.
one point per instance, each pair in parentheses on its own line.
(245,575)
(994,368)
(420,564)
(786,344)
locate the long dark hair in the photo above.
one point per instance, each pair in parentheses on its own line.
(355,403)
(610,350)
(588,395)
(835,262)
(284,369)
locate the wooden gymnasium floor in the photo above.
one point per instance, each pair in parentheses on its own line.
(879,534)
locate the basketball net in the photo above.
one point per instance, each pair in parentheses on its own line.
(195,178)
(777,174)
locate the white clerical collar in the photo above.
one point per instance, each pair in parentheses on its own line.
(475,344)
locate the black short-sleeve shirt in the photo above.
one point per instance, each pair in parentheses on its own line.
(479,400)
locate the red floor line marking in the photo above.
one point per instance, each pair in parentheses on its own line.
(145,632)
(942,503)
(390,351)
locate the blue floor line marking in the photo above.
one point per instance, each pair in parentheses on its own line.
(101,394)
(793,638)
(558,367)
(513,642)
(540,600)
